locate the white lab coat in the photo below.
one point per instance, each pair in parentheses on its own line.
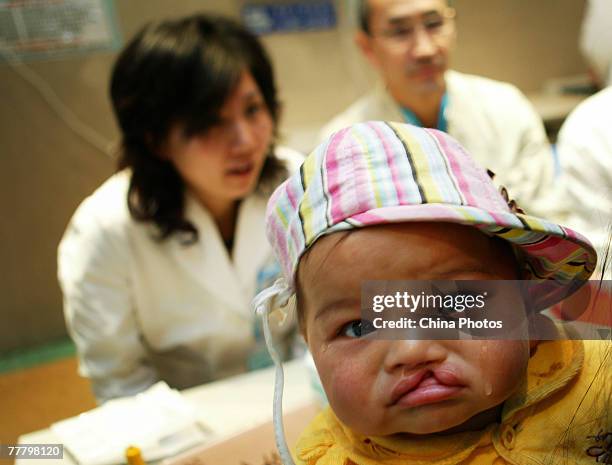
(140,310)
(494,121)
(583,199)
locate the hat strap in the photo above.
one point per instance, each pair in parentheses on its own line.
(264,303)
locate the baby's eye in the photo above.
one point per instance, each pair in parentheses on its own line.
(357,328)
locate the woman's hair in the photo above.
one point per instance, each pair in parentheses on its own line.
(181,71)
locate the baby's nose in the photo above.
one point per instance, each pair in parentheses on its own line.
(413,353)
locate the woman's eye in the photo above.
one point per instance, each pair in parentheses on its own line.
(254,108)
(357,328)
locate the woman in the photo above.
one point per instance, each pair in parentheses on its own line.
(159,265)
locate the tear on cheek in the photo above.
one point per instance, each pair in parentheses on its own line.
(509,368)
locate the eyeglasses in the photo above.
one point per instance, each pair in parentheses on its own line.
(403,34)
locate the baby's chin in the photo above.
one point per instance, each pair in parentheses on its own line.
(449,422)
(430,421)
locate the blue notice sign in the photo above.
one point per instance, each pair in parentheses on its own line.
(268,18)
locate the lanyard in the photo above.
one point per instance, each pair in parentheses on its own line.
(442,125)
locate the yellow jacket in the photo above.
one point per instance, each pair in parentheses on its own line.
(560,415)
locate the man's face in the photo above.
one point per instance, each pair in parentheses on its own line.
(409,43)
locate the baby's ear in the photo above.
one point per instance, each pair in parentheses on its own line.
(300,311)
(301,321)
(304,334)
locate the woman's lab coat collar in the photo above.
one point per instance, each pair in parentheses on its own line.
(227,277)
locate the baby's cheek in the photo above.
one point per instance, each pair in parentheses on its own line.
(347,384)
(346,381)
(505,367)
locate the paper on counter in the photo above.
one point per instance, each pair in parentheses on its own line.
(159,421)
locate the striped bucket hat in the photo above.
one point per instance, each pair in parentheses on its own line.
(377,173)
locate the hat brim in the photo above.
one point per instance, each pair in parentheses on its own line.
(559,259)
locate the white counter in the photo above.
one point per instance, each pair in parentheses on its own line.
(225,407)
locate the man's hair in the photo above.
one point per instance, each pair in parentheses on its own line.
(363,14)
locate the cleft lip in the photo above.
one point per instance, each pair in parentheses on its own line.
(423,379)
(407,384)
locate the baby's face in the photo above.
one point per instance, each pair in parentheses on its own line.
(384,387)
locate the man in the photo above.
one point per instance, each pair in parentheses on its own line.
(408,42)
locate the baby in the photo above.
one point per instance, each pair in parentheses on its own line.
(388,201)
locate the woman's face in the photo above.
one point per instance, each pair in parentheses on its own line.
(384,387)
(223,164)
